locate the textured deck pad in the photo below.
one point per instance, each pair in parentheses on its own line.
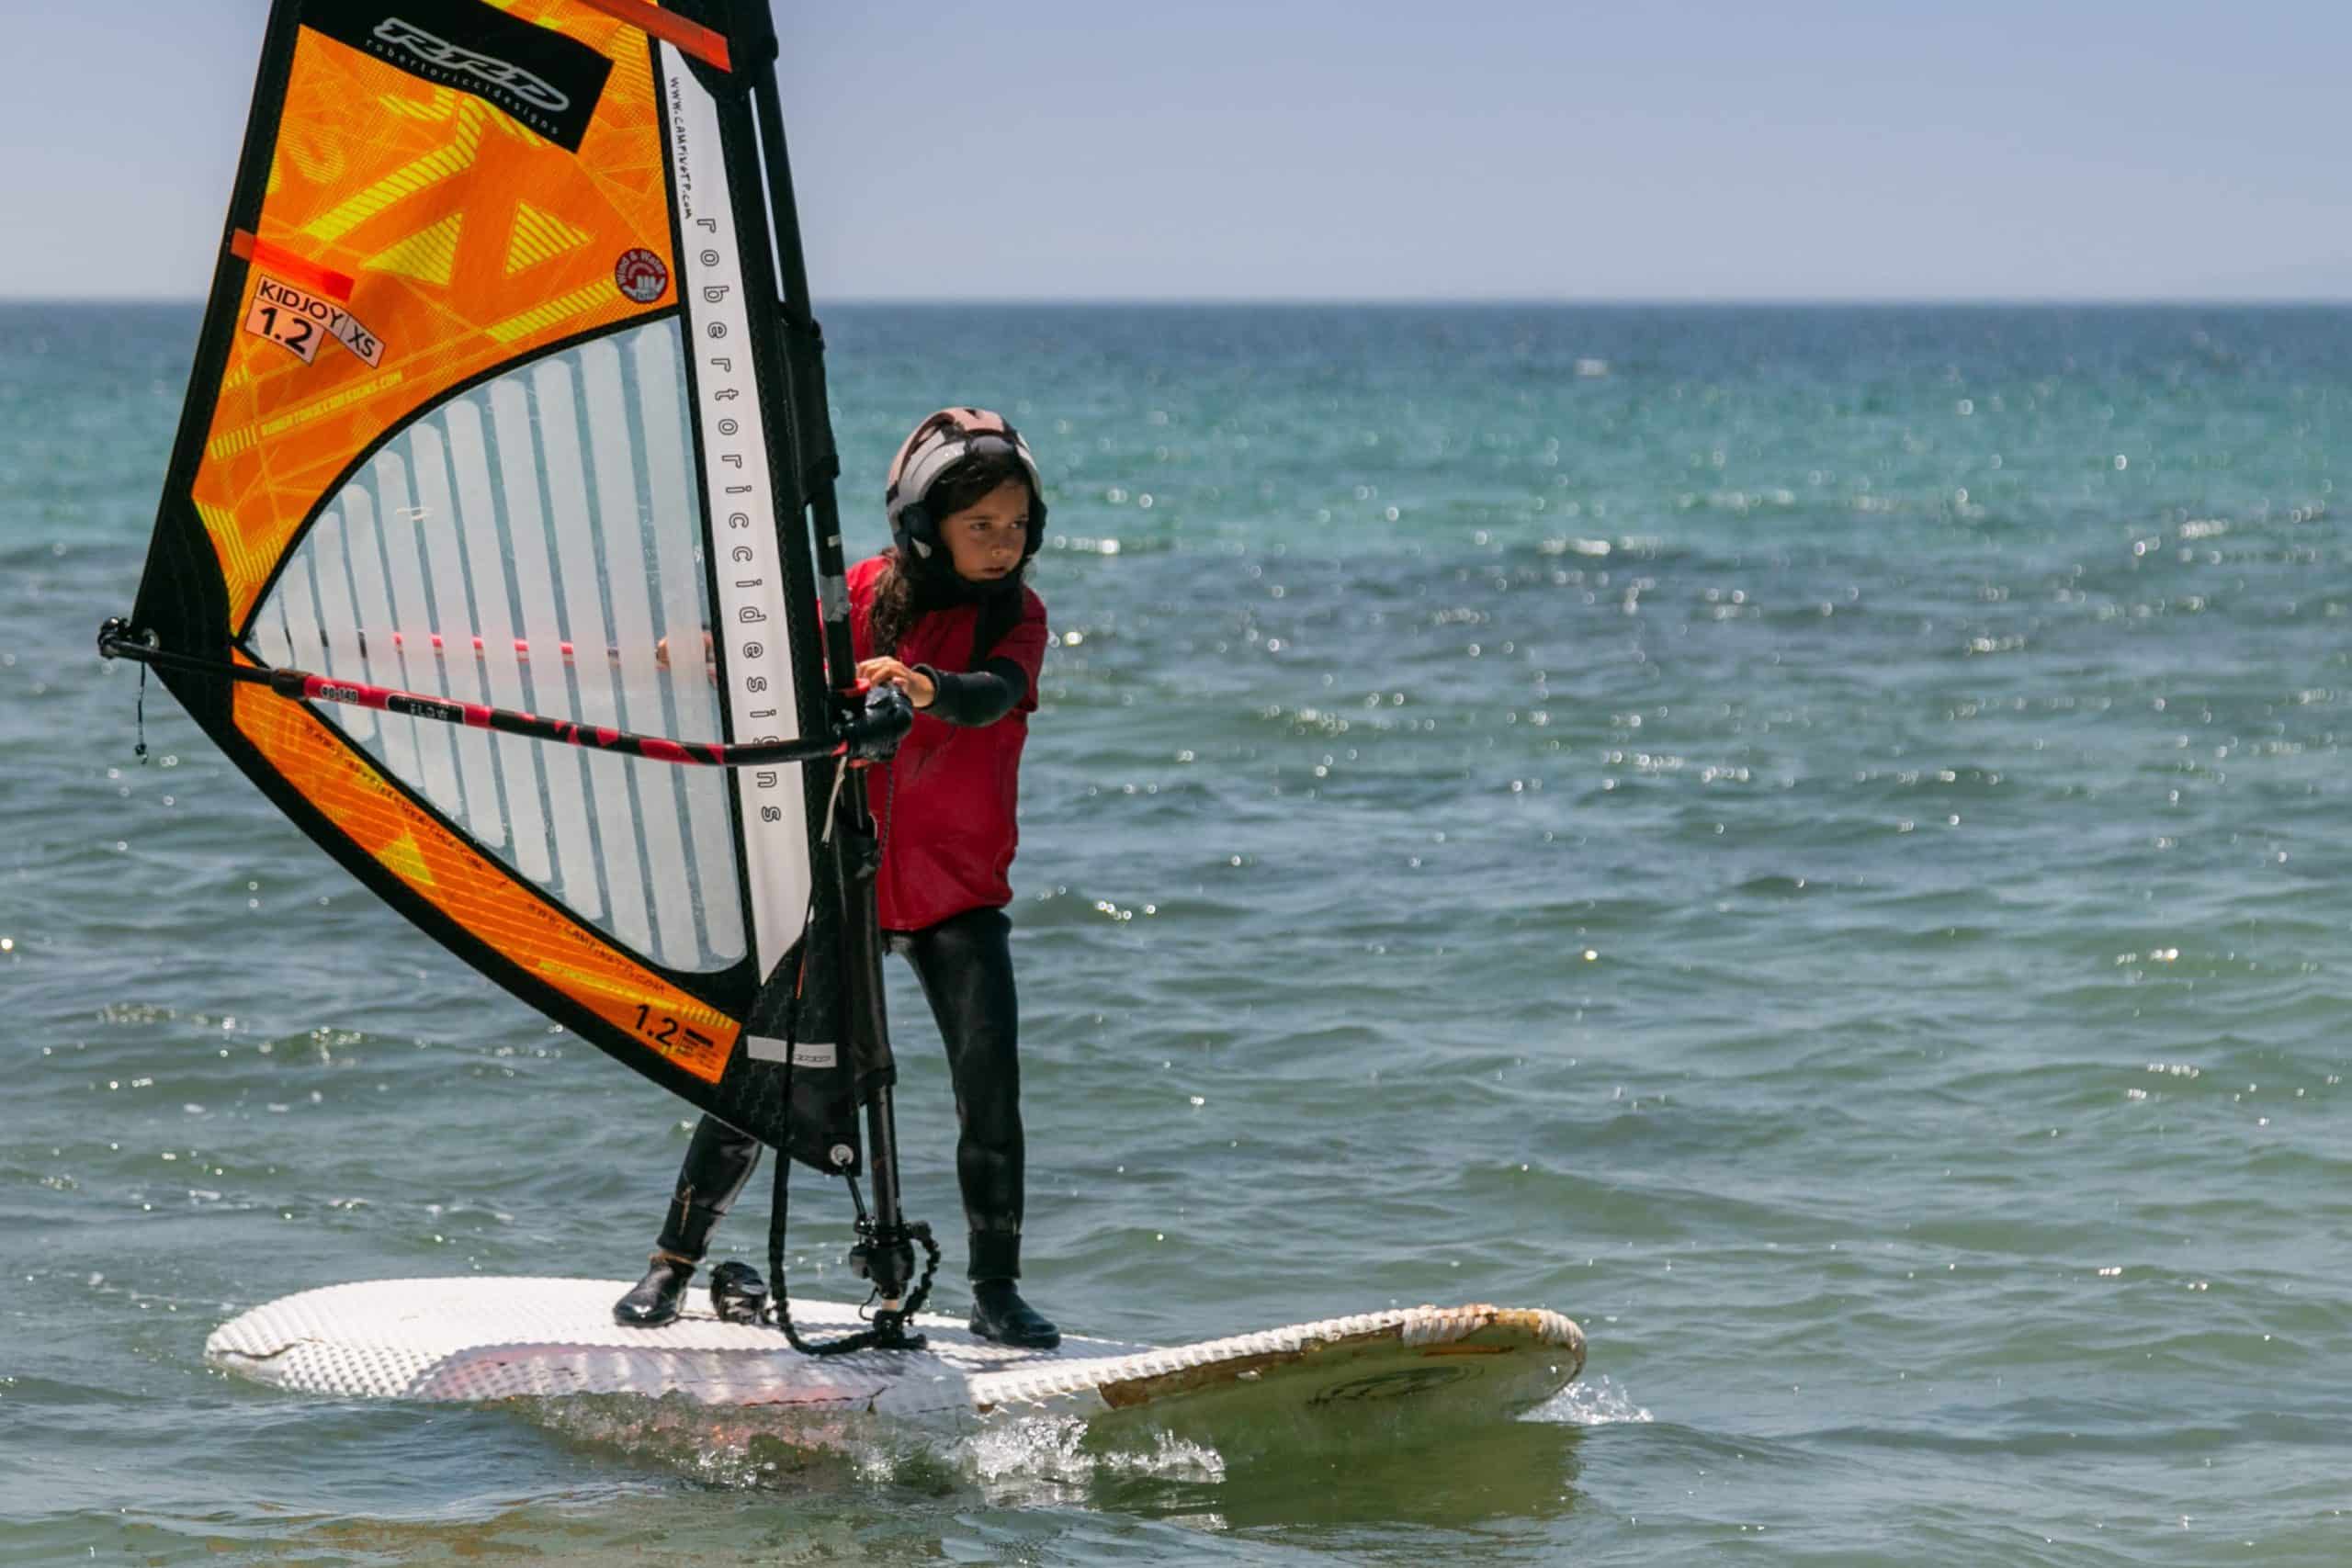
(476,1338)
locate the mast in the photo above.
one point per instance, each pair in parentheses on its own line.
(885,1253)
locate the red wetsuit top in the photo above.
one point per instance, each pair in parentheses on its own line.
(947,805)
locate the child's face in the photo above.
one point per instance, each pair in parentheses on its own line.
(985,540)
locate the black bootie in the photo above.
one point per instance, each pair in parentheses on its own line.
(654,1300)
(719,1161)
(999,1316)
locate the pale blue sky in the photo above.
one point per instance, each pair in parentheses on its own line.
(1460,149)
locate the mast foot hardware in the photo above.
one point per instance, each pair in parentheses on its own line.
(884,1257)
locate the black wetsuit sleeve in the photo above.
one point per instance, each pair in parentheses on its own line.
(974,697)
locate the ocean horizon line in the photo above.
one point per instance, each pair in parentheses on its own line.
(1404,302)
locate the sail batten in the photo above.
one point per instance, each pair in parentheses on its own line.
(685,679)
(551,679)
(501,669)
(436,525)
(339,623)
(272,636)
(300,605)
(611,448)
(410,606)
(379,654)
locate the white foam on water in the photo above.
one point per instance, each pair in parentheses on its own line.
(1031,1461)
(1052,1448)
(1596,1402)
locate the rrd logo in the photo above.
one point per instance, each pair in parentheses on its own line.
(537,91)
(548,81)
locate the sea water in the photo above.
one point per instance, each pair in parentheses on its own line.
(1813,840)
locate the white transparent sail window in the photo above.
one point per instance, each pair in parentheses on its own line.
(536,543)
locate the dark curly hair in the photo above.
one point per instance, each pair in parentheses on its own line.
(897,597)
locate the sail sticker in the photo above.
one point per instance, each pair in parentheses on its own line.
(547,81)
(800,1053)
(246,246)
(300,322)
(706,45)
(640,276)
(679,1040)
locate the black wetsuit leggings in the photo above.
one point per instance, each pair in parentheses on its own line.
(965,963)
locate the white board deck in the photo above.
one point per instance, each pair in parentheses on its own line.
(476,1338)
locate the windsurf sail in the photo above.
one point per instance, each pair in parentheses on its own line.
(503,488)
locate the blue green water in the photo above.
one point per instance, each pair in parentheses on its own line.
(1811,840)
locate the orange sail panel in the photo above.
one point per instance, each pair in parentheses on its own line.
(416,191)
(450,874)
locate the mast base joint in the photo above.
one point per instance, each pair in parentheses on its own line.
(889,1331)
(885,1256)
